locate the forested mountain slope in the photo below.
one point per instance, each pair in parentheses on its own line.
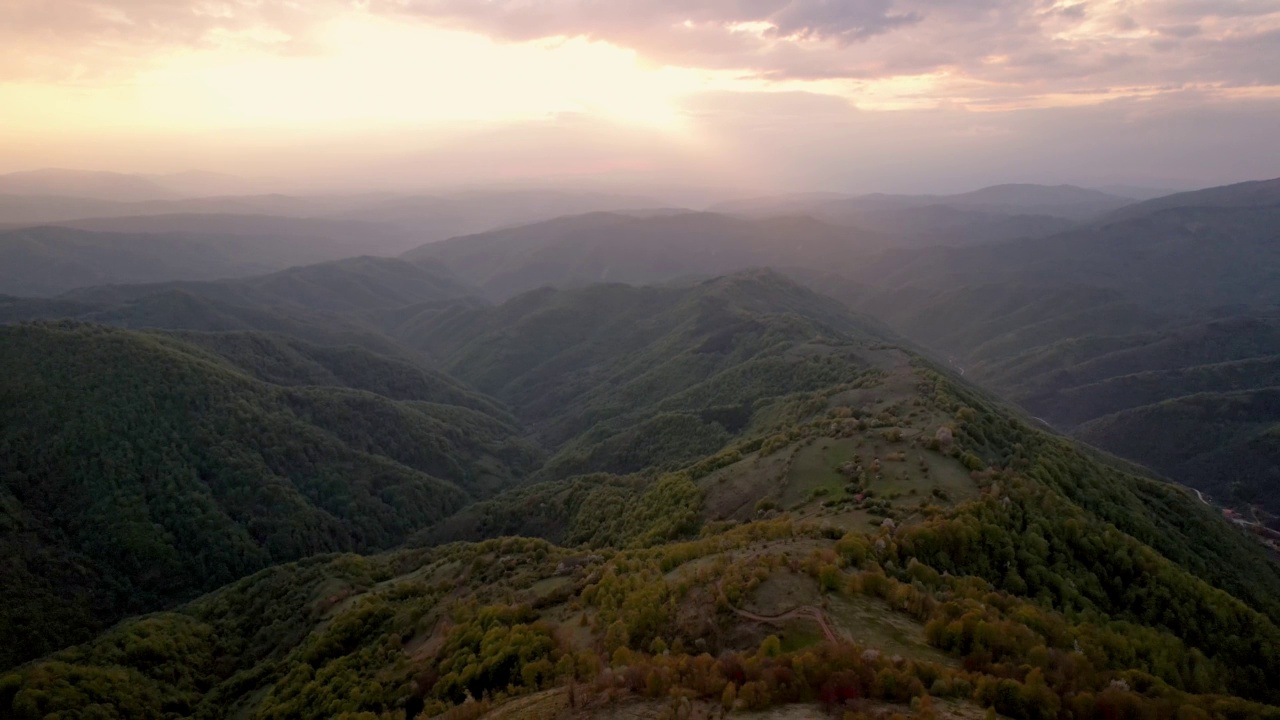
(1226,440)
(883,534)
(1035,319)
(619,378)
(732,494)
(1175,260)
(334,303)
(141,468)
(1155,322)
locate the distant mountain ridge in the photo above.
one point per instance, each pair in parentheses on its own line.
(48,260)
(344,286)
(1023,197)
(1258,193)
(1153,324)
(429,217)
(991,214)
(119,187)
(612,247)
(336,303)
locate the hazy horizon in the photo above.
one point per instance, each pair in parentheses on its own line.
(194,183)
(910,96)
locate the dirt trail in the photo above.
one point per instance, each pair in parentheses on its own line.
(809,612)
(804,611)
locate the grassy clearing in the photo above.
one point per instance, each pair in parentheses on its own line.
(872,623)
(548,586)
(732,493)
(815,475)
(783,591)
(799,634)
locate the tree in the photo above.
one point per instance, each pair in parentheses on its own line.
(771,647)
(729,696)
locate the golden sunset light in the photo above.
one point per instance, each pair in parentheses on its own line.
(243,75)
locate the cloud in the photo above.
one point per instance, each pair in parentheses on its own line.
(843,93)
(840,21)
(975,50)
(102,40)
(1049,46)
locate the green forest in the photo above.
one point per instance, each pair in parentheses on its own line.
(729,496)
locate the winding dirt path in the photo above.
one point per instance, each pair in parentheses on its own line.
(803,612)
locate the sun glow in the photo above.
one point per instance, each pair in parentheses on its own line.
(371,70)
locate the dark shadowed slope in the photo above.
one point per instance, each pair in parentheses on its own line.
(50,260)
(1229,442)
(142,468)
(1177,260)
(335,303)
(1168,298)
(619,378)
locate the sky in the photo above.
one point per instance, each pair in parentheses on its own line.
(774,95)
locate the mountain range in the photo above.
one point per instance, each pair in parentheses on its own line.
(991,214)
(646,461)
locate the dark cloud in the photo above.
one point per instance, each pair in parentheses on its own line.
(1187,30)
(845,22)
(1076,10)
(838,20)
(1218,8)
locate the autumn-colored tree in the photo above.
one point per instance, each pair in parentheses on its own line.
(771,647)
(729,696)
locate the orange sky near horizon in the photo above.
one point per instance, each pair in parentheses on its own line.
(237,86)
